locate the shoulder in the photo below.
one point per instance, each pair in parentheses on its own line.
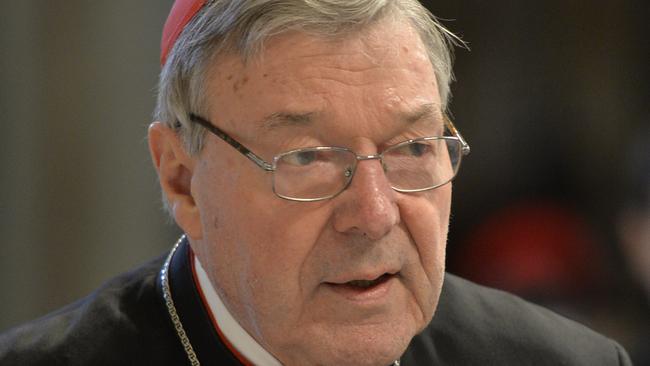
(113,325)
(478,325)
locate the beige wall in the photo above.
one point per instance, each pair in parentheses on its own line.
(78,197)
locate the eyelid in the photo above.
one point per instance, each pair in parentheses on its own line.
(423,128)
(409,135)
(297,142)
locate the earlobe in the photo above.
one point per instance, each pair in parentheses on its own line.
(175,168)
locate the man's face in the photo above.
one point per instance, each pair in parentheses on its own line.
(283,268)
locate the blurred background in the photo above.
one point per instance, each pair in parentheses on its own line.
(553,203)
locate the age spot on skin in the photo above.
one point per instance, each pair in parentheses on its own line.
(238,84)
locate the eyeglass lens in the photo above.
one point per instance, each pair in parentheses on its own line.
(316,173)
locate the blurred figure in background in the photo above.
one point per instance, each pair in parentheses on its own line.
(547,252)
(634,240)
(634,222)
(542,250)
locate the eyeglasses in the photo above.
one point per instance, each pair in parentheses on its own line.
(322,172)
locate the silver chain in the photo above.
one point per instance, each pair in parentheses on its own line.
(171,309)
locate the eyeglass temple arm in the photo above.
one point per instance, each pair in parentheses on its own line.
(464,145)
(232,142)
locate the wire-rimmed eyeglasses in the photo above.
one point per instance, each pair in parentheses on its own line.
(322,172)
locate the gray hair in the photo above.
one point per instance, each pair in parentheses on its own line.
(227,26)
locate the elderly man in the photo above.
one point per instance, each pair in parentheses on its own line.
(304,149)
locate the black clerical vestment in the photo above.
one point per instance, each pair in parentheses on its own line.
(126,322)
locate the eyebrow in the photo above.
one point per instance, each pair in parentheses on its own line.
(279,120)
(287,119)
(425,111)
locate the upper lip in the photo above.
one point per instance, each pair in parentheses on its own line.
(368,275)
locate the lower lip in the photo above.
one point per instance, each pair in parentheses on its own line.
(360,294)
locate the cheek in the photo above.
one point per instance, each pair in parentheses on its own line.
(258,242)
(426,217)
(269,263)
(282,243)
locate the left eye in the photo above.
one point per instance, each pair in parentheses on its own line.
(418,149)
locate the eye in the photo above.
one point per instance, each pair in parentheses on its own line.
(301,158)
(418,149)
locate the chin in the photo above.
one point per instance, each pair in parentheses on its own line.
(375,355)
(365,345)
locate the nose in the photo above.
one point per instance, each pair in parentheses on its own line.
(368,206)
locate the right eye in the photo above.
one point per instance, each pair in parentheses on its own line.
(301,158)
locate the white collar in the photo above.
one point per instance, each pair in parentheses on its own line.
(236,335)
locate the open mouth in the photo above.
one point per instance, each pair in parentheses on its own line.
(366,284)
(363,287)
(366,292)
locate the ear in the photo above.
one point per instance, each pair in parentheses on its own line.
(175,168)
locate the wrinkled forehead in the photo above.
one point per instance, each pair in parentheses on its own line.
(381,45)
(383,68)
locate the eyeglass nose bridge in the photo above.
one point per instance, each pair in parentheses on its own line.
(369,157)
(351,170)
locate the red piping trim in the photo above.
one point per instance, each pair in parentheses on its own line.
(225,341)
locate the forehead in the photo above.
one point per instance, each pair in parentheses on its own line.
(380,72)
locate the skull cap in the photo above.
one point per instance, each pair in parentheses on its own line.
(182,12)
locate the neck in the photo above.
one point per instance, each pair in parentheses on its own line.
(241,343)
